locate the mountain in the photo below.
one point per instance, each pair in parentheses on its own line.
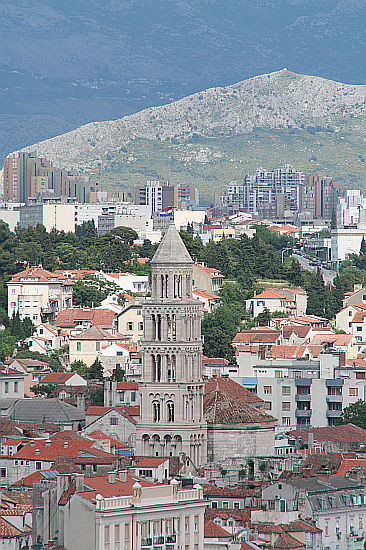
(67,63)
(221,133)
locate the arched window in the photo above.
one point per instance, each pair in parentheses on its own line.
(170,410)
(156,411)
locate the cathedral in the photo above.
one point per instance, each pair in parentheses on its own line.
(181,414)
(171,419)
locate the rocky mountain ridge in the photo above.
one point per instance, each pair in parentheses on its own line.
(279,100)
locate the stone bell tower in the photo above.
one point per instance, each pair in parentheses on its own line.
(171,420)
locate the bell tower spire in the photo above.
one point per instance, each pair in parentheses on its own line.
(171,419)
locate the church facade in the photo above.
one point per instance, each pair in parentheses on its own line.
(171,419)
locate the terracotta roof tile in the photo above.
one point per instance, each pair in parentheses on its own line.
(221,408)
(229,386)
(286,542)
(347,433)
(214,531)
(350,463)
(269,295)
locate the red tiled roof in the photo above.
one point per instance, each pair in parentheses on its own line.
(269,295)
(42,275)
(300,330)
(206,294)
(128,412)
(98,435)
(7,530)
(286,542)
(57,377)
(51,450)
(28,481)
(359,317)
(347,433)
(335,339)
(257,336)
(101,485)
(214,531)
(127,386)
(295,352)
(229,386)
(221,408)
(350,463)
(69,317)
(150,462)
(211,271)
(214,361)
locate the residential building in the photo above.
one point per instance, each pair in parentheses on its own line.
(11,383)
(130,321)
(128,282)
(320,196)
(87,346)
(121,394)
(266,192)
(335,504)
(207,278)
(116,422)
(64,379)
(37,293)
(158,195)
(76,320)
(46,339)
(208,300)
(27,176)
(38,410)
(115,356)
(351,209)
(331,440)
(120,511)
(303,392)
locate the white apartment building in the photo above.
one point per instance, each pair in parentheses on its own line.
(304,393)
(351,209)
(129,282)
(36,292)
(122,512)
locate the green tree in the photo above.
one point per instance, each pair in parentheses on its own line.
(43,389)
(333,222)
(97,397)
(91,291)
(363,247)
(354,414)
(80,367)
(95,371)
(263,319)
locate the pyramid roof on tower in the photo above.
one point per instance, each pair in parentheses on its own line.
(172,249)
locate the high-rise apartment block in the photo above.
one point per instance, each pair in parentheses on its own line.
(27,176)
(265,192)
(282,192)
(160,194)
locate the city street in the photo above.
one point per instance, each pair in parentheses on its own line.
(328,274)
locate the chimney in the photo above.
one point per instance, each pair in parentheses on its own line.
(262,352)
(342,359)
(112,477)
(79,482)
(80,403)
(122,476)
(310,440)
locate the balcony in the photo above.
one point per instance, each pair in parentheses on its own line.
(303,397)
(146,543)
(171,539)
(303,381)
(334,383)
(306,413)
(333,414)
(334,398)
(158,541)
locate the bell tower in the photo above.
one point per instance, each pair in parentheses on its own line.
(171,420)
